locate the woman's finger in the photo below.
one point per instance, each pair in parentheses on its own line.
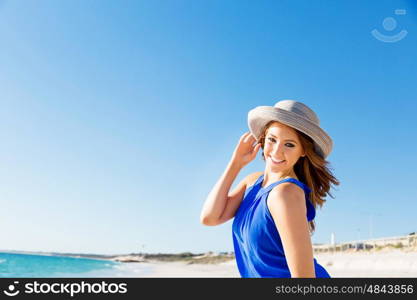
(242,138)
(249,137)
(255,150)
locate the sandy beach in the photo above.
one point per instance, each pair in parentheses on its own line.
(394,263)
(181,269)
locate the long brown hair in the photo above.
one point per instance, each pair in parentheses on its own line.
(313,170)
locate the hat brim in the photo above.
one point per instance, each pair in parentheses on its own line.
(261,115)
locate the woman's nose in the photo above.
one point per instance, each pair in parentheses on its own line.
(278,148)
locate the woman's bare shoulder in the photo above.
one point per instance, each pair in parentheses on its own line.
(251,178)
(287,195)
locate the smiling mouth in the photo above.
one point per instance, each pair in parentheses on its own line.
(277,162)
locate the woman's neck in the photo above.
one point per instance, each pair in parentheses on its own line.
(271,177)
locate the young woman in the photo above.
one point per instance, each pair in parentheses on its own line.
(273,210)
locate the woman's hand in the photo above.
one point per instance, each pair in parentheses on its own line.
(245,150)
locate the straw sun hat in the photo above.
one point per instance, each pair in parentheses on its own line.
(296,115)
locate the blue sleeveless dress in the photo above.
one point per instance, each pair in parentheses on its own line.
(257,244)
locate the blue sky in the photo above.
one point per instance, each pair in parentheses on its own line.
(118,117)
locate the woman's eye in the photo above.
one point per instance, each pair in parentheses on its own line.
(287,144)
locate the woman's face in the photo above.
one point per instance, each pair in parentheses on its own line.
(282,147)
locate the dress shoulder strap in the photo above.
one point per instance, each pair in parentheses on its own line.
(300,184)
(267,189)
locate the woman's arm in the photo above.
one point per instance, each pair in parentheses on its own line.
(218,198)
(221,206)
(287,205)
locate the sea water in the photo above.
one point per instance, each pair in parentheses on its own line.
(29,265)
